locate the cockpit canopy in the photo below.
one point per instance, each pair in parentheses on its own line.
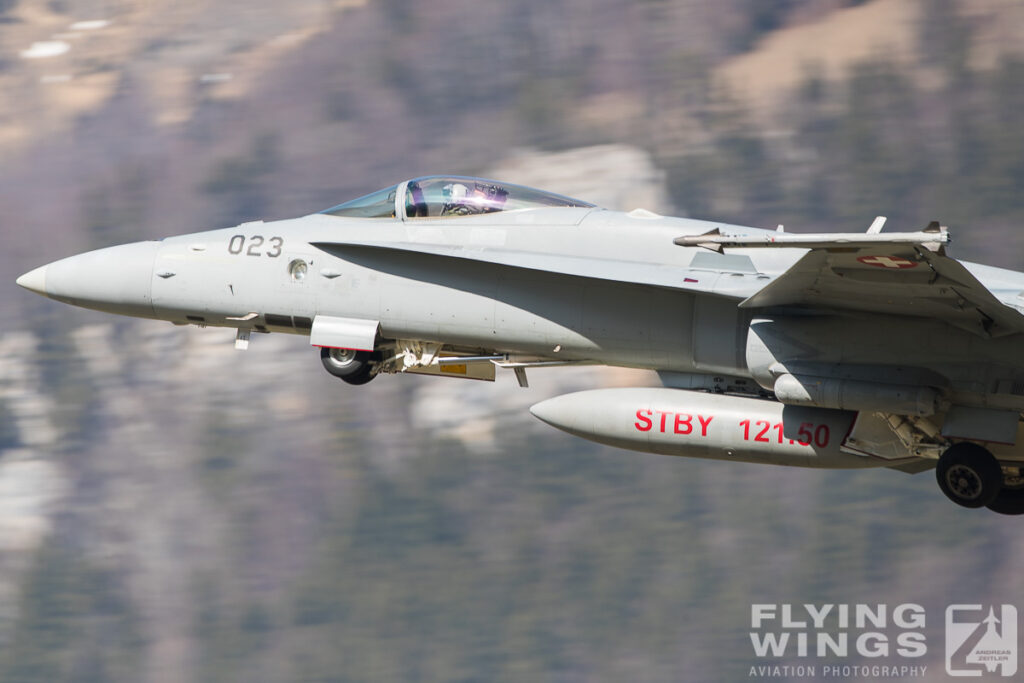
(449,196)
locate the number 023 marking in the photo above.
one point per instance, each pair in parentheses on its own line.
(236,245)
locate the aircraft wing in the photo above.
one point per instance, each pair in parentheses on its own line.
(904,274)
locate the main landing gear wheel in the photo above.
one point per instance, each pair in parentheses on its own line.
(1009,502)
(969,475)
(348,365)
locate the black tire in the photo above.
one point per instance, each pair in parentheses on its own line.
(350,366)
(969,475)
(1008,502)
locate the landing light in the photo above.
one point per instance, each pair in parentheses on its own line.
(298,269)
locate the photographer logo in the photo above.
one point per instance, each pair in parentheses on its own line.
(981,639)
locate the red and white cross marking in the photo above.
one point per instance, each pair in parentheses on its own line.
(887,262)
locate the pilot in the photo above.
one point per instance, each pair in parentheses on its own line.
(455,200)
(482,199)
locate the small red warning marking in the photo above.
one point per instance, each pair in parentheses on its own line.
(887,262)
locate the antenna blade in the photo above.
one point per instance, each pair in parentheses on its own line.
(876,225)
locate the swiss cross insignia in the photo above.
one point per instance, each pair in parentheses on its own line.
(893,262)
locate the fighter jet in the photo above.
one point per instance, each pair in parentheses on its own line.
(831,350)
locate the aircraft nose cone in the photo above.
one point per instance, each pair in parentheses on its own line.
(34,280)
(116,279)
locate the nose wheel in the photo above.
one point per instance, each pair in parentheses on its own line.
(969,475)
(348,365)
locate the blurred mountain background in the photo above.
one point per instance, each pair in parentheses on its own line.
(174,510)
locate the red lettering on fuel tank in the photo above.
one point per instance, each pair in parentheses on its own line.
(671,422)
(809,433)
(704,423)
(684,420)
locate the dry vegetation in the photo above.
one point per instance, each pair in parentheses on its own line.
(277,527)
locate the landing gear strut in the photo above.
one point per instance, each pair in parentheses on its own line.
(969,475)
(349,365)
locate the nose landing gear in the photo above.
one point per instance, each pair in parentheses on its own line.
(349,365)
